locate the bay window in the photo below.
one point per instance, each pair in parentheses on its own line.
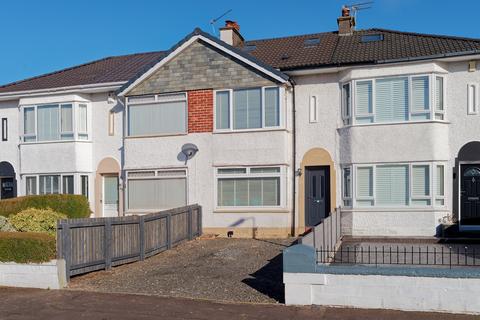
(394,185)
(249,187)
(156,189)
(243,109)
(50,184)
(157,115)
(394,99)
(53,122)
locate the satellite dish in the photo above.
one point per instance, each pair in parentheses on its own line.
(189,150)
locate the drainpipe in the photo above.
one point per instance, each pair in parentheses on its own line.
(294,156)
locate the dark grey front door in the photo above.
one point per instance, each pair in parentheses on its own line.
(470,195)
(317,194)
(7,188)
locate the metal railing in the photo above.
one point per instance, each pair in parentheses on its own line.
(99,243)
(422,255)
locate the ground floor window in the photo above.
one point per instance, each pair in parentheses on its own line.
(249,187)
(394,185)
(156,189)
(52,184)
(84,185)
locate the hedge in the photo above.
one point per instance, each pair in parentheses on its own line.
(73,206)
(25,247)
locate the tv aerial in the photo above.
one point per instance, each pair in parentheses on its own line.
(355,7)
(213,21)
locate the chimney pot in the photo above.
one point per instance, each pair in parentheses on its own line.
(346,23)
(231,34)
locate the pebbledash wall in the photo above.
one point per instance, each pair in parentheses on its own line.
(409,289)
(387,143)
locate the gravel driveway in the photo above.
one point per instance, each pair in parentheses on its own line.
(236,270)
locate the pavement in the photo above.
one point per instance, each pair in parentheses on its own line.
(20,304)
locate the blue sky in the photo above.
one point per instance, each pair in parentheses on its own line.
(47,35)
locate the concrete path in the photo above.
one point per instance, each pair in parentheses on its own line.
(18,304)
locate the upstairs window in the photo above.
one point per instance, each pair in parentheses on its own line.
(52,122)
(157,115)
(394,99)
(244,109)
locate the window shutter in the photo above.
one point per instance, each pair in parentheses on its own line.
(420,94)
(156,193)
(420,181)
(364,186)
(48,123)
(222,102)
(391,99)
(272,107)
(392,185)
(160,118)
(363,101)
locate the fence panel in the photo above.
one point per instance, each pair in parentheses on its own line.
(100,243)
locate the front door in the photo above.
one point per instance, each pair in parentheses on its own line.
(110,196)
(470,195)
(7,188)
(317,194)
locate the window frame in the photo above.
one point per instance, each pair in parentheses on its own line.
(157,99)
(74,133)
(432,112)
(281,175)
(432,187)
(281,109)
(345,198)
(4,129)
(155,176)
(347,113)
(313,109)
(75,176)
(472,106)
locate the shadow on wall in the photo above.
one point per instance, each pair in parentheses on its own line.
(243,221)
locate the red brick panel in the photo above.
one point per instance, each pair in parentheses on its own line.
(200,111)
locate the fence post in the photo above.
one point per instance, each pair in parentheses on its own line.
(199,220)
(141,226)
(169,231)
(108,243)
(66,248)
(190,221)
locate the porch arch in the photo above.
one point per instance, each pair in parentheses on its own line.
(107,166)
(315,157)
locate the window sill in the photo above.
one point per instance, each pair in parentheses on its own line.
(251,210)
(54,141)
(249,130)
(395,209)
(157,135)
(393,123)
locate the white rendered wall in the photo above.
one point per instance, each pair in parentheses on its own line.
(453,295)
(48,275)
(9,148)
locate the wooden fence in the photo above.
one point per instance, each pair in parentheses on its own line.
(99,243)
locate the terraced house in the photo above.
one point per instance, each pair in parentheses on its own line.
(267,135)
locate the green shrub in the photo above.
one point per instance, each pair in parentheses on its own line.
(73,206)
(5,226)
(36,220)
(24,247)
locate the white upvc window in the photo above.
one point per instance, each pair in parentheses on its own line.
(248,108)
(472,98)
(157,115)
(55,122)
(313,109)
(250,187)
(347,103)
(156,189)
(409,98)
(397,185)
(347,183)
(50,184)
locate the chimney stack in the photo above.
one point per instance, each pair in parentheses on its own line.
(231,34)
(346,23)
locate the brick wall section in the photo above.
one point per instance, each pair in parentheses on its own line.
(200,111)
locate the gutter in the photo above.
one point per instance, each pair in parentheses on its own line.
(294,158)
(87,88)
